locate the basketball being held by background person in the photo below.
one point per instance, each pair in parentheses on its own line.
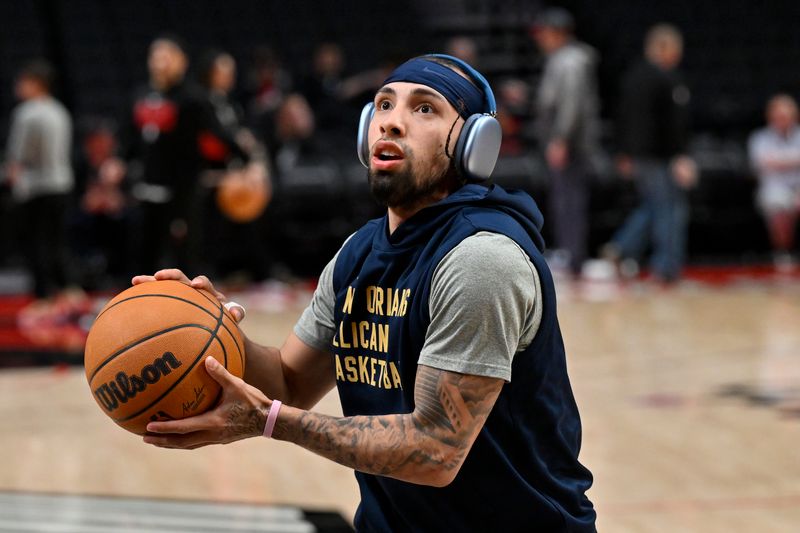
(144,353)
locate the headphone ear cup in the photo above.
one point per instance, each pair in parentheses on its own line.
(362,137)
(478,146)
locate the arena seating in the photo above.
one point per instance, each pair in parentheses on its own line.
(732,66)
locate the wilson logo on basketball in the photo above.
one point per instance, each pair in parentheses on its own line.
(125,387)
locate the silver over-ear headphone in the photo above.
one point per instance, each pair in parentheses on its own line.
(477,146)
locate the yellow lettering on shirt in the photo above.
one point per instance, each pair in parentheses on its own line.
(396,382)
(348,300)
(363,371)
(404,302)
(339,372)
(350,366)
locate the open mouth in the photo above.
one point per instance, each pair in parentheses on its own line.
(387,151)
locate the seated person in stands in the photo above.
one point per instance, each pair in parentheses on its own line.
(775,156)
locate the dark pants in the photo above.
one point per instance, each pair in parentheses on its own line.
(569,211)
(230,247)
(660,220)
(170,237)
(44,242)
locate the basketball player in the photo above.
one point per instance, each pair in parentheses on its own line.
(438,325)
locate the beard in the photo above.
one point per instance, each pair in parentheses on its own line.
(406,188)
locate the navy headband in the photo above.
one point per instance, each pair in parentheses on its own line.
(465,97)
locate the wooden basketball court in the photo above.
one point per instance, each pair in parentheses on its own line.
(690,399)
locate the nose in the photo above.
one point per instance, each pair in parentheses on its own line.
(392,123)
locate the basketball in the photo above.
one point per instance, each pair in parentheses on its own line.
(144,353)
(242,196)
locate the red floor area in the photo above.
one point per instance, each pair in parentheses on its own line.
(29,332)
(32,332)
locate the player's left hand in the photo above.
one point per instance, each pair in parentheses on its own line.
(198,282)
(241,413)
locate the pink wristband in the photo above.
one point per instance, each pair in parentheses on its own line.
(272,417)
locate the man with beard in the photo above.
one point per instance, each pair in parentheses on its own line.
(437,323)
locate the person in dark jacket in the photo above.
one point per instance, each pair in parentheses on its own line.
(230,152)
(161,147)
(437,324)
(653,133)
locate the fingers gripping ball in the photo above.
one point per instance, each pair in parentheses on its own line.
(144,354)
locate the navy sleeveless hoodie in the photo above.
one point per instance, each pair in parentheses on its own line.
(522,473)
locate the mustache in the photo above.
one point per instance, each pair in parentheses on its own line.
(398,142)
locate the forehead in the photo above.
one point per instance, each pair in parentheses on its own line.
(782,105)
(404,89)
(165,46)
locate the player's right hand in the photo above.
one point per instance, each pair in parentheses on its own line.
(199,282)
(241,413)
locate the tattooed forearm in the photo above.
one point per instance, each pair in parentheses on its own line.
(427,446)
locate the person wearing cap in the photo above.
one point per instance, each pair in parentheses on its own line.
(437,324)
(567,127)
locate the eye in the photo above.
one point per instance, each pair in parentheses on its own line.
(426,109)
(384,105)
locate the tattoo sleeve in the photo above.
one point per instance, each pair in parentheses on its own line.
(426,446)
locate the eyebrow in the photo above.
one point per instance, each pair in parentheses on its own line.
(427,92)
(419,91)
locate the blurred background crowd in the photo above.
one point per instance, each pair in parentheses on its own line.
(220,136)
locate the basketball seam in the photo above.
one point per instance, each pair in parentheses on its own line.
(239,348)
(224,351)
(139,341)
(177,381)
(235,342)
(230,316)
(155,295)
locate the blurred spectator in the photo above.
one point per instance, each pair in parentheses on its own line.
(41,176)
(321,88)
(161,145)
(567,127)
(294,133)
(359,88)
(775,155)
(464,48)
(232,159)
(223,141)
(512,103)
(267,81)
(653,134)
(268,85)
(102,222)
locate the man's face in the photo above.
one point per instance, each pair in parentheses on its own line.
(25,88)
(549,39)
(166,63)
(223,76)
(408,165)
(782,115)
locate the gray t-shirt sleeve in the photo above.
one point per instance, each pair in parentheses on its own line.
(485,306)
(315,326)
